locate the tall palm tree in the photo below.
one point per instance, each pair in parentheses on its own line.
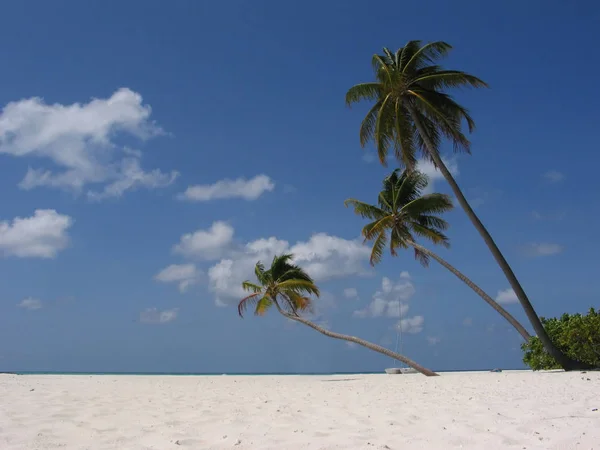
(289,288)
(403,213)
(411,114)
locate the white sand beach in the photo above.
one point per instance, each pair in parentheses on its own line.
(482,410)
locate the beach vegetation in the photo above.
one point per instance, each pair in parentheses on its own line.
(577,335)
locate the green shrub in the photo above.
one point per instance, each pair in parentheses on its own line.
(576,335)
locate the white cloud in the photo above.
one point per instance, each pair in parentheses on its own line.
(154,316)
(554,176)
(351,345)
(431,340)
(543,249)
(206,244)
(427,168)
(30,303)
(390,300)
(467,322)
(322,256)
(507,296)
(350,293)
(185,275)
(247,189)
(411,325)
(326,257)
(42,235)
(78,138)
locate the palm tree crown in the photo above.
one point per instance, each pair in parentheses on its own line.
(283,280)
(410,87)
(402,212)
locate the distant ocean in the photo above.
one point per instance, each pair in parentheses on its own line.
(191,374)
(187,374)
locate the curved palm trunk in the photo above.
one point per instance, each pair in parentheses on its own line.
(369,345)
(490,301)
(565,362)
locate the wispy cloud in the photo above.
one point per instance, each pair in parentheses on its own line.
(432,340)
(351,293)
(554,176)
(247,189)
(154,316)
(543,249)
(30,304)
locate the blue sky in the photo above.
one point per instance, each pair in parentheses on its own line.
(150,153)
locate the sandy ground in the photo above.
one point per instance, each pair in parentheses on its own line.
(509,410)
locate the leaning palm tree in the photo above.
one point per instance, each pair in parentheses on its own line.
(289,287)
(411,114)
(403,213)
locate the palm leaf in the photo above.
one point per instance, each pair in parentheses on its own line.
(262,306)
(251,287)
(428,53)
(299,286)
(373,229)
(244,303)
(378,246)
(363,91)
(435,236)
(365,210)
(428,204)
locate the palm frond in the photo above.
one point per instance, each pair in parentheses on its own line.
(441,109)
(404,130)
(259,271)
(250,300)
(371,230)
(448,79)
(432,222)
(428,204)
(382,136)
(251,287)
(299,286)
(399,237)
(378,246)
(262,306)
(428,53)
(363,91)
(433,235)
(423,258)
(365,210)
(301,303)
(367,127)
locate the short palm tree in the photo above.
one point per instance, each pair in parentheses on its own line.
(411,114)
(289,288)
(403,213)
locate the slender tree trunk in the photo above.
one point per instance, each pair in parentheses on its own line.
(565,362)
(369,345)
(499,309)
